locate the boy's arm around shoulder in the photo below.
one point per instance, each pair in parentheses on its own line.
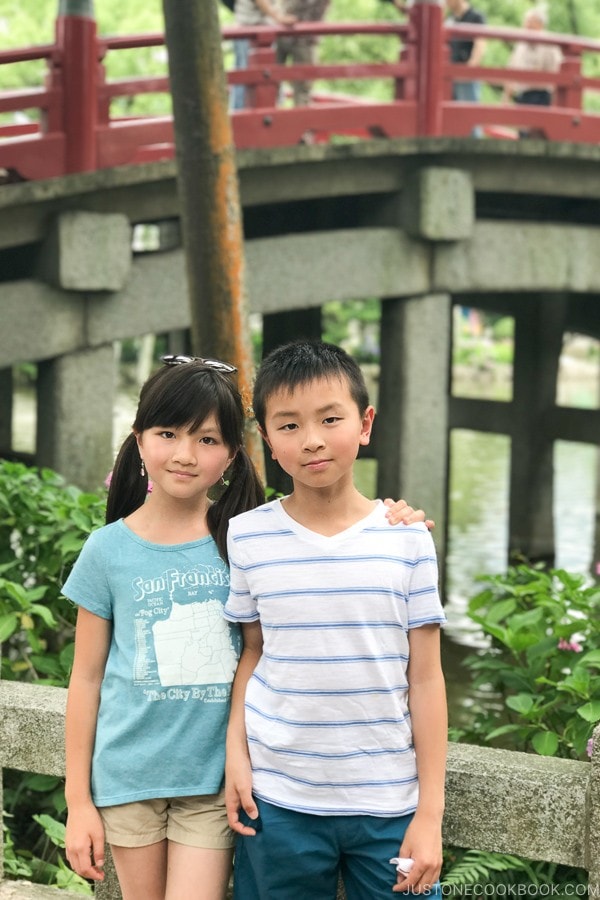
(429,722)
(238,770)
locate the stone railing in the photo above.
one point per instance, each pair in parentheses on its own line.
(509,802)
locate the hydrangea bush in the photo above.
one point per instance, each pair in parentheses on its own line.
(539,678)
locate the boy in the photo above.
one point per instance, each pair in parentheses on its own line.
(337,762)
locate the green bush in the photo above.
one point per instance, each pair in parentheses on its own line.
(541,671)
(43,524)
(537,685)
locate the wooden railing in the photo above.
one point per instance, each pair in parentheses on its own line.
(73,129)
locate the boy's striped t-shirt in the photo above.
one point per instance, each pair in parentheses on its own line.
(326,709)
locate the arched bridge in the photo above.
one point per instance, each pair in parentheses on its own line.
(420,215)
(73,127)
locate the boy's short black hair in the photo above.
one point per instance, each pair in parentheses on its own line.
(300,362)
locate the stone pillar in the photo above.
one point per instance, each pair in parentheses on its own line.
(593,842)
(411,426)
(86,251)
(89,254)
(596,534)
(6,409)
(539,328)
(75,415)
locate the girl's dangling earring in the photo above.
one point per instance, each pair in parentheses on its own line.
(222,482)
(142,468)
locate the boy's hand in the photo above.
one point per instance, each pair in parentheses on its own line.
(400,511)
(84,842)
(238,793)
(422,842)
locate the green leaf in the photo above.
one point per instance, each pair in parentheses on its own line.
(53,829)
(500,611)
(590,659)
(590,711)
(8,625)
(521,703)
(66,656)
(44,613)
(527,620)
(41,783)
(545,743)
(49,665)
(577,683)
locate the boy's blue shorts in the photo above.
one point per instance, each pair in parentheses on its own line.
(299,856)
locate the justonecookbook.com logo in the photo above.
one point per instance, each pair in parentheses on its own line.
(531,890)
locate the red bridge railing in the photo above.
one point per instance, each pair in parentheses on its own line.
(73,128)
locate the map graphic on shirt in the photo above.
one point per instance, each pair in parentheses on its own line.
(192,647)
(181,637)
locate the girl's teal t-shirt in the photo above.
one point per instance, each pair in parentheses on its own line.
(165,695)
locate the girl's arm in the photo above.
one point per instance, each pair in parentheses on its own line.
(85,834)
(429,722)
(238,771)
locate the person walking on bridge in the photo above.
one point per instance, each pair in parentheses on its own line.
(253,12)
(467,51)
(301,50)
(534,57)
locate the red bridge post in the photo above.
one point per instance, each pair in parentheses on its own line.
(427,23)
(571,94)
(77,66)
(262,56)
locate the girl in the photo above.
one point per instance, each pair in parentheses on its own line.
(149,694)
(154,657)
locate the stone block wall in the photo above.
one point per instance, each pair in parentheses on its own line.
(497,800)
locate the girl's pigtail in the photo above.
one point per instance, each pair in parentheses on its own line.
(245,491)
(128,489)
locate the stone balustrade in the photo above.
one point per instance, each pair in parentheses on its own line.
(538,807)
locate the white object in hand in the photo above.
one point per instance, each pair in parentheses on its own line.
(403,864)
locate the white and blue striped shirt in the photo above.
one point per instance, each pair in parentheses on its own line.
(326,709)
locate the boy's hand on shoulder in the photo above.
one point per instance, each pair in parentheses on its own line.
(238,792)
(400,512)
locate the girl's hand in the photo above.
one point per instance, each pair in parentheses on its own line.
(400,511)
(84,842)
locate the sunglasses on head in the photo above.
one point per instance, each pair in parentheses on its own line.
(179,360)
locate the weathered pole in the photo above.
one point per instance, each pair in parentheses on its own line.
(209,192)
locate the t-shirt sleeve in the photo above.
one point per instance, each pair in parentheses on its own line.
(423,602)
(241,605)
(87,584)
